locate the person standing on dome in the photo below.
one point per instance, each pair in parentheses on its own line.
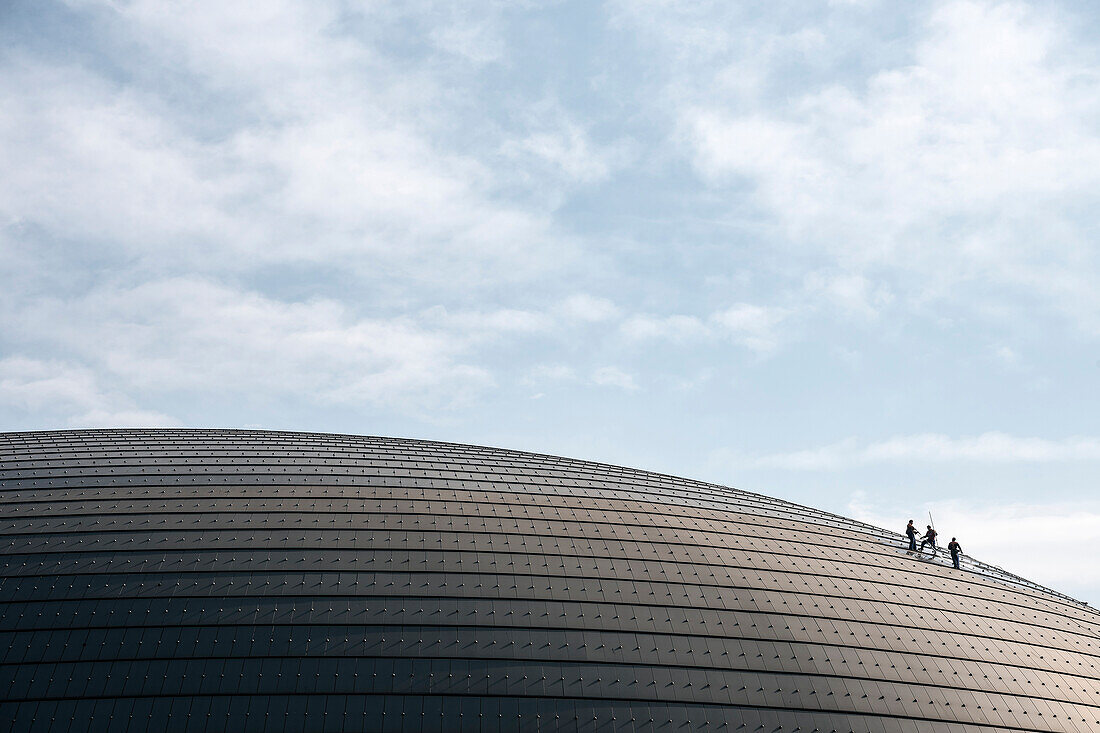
(911,533)
(929,539)
(955,549)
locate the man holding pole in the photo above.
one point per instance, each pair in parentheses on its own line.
(929,538)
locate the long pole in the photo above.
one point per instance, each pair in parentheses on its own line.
(933,523)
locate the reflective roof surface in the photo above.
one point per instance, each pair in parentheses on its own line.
(246,580)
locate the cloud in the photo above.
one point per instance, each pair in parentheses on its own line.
(675,328)
(588,308)
(959,159)
(194,335)
(96,166)
(989,109)
(1052,544)
(851,293)
(476,40)
(316,151)
(69,393)
(1007,356)
(750,326)
(610,376)
(293,147)
(936,448)
(605,376)
(550,373)
(566,148)
(489,323)
(389,204)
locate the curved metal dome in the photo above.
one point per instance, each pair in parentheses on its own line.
(238,580)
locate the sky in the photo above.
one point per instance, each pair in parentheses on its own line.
(843,253)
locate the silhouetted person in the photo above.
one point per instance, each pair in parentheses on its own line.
(955,549)
(929,539)
(911,533)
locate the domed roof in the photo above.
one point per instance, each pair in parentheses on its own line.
(245,580)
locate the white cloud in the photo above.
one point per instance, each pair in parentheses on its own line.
(610,376)
(550,373)
(675,327)
(194,335)
(93,164)
(750,326)
(478,41)
(555,140)
(588,308)
(605,376)
(489,323)
(963,164)
(936,448)
(348,167)
(852,293)
(569,150)
(320,152)
(1051,544)
(1007,356)
(310,150)
(989,110)
(53,390)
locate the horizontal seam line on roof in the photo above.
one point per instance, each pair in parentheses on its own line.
(997,581)
(343,597)
(513,576)
(564,662)
(449,447)
(995,584)
(998,575)
(853,524)
(135,530)
(389,441)
(570,629)
(135,571)
(90,572)
(457,598)
(569,699)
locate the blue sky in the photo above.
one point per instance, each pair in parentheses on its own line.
(843,253)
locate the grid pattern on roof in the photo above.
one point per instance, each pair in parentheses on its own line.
(223,580)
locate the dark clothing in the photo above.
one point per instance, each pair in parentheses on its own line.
(929,539)
(955,549)
(911,532)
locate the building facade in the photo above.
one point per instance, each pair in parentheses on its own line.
(204,580)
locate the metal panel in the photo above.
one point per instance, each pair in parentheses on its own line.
(241,580)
